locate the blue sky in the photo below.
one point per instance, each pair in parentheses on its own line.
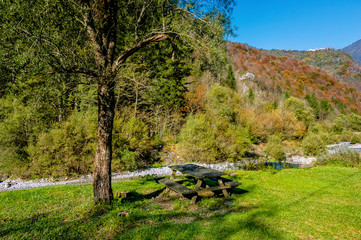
(297,25)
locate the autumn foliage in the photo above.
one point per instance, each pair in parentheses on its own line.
(278,74)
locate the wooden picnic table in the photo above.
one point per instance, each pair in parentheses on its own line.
(199,174)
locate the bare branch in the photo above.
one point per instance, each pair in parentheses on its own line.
(62,69)
(151,40)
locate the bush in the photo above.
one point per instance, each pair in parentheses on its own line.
(356,138)
(346,157)
(220,101)
(19,125)
(132,145)
(302,112)
(348,122)
(66,150)
(233,142)
(313,145)
(274,148)
(273,122)
(346,136)
(197,139)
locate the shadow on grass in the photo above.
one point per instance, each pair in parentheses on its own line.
(253,226)
(103,222)
(38,226)
(134,196)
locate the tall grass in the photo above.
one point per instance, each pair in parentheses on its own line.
(344,157)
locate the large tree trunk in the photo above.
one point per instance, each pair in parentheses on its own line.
(102,168)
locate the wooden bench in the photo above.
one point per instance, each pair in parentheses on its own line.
(228,182)
(177,187)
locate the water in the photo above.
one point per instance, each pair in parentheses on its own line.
(279,166)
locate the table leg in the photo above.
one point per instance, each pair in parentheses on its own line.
(173,175)
(224,191)
(198,186)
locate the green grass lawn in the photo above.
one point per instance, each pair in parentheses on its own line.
(316,203)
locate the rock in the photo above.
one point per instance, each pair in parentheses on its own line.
(122,194)
(123,214)
(247,75)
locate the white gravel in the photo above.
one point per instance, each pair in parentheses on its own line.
(301,160)
(17,184)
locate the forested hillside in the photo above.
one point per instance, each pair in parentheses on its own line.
(337,63)
(277,74)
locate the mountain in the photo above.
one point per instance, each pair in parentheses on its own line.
(337,63)
(277,74)
(355,50)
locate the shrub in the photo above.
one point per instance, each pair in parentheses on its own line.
(273,122)
(19,125)
(313,145)
(346,157)
(302,112)
(197,139)
(132,145)
(356,138)
(346,136)
(67,149)
(274,148)
(220,102)
(234,142)
(348,122)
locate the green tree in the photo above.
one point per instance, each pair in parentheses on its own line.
(314,104)
(230,80)
(274,148)
(302,112)
(313,145)
(251,95)
(98,39)
(325,108)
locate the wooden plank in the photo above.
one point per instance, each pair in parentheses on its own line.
(228,182)
(176,186)
(215,188)
(183,178)
(197,171)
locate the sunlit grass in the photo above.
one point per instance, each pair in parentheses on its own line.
(316,203)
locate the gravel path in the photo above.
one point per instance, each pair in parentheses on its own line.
(17,184)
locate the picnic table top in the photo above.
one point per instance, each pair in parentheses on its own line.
(197,171)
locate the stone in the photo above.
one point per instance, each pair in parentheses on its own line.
(123,214)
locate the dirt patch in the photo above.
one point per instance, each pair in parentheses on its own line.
(164,202)
(184,220)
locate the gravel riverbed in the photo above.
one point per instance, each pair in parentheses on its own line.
(17,184)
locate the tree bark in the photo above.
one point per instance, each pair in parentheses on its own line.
(102,167)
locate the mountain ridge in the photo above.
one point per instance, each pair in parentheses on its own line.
(337,63)
(355,50)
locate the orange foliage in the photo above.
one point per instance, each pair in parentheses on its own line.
(293,75)
(195,99)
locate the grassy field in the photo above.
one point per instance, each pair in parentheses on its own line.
(316,203)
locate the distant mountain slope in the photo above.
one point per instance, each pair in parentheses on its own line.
(355,50)
(335,62)
(277,74)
